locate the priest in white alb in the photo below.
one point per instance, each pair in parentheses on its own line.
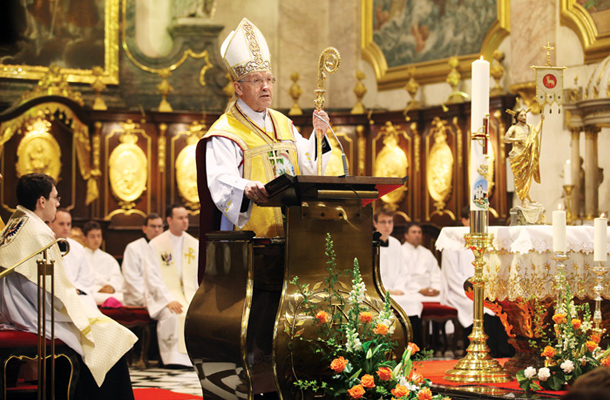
(171,284)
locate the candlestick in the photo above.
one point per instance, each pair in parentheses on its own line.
(599,271)
(478,161)
(569,214)
(600,239)
(559,231)
(567,173)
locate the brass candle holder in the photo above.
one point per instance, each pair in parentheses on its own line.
(599,272)
(560,258)
(478,365)
(569,215)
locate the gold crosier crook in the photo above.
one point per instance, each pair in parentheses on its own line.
(330,59)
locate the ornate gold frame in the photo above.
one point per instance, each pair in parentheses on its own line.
(111,56)
(575,17)
(430,71)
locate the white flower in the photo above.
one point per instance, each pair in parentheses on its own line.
(567,366)
(544,374)
(529,372)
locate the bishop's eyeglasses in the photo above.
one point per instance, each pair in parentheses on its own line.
(258,82)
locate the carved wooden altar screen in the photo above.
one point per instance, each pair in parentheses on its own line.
(116,166)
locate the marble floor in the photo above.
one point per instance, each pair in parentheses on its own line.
(176,380)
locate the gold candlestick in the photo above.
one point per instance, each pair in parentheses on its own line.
(330,59)
(478,365)
(560,258)
(569,215)
(599,272)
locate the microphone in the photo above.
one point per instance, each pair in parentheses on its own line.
(343,157)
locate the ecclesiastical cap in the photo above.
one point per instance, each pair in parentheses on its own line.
(245,50)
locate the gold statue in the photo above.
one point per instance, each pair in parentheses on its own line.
(525,154)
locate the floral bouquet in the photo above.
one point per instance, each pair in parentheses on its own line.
(354,340)
(575,352)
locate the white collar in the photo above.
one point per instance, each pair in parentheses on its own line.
(259,118)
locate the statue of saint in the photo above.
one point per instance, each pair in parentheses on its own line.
(525,154)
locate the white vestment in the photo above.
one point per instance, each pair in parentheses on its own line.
(392,268)
(423,272)
(225,167)
(173,278)
(99,340)
(107,272)
(137,257)
(80,271)
(457,268)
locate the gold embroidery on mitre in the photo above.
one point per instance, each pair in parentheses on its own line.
(259,63)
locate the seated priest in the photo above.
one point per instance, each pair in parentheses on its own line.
(251,144)
(100,342)
(171,284)
(136,261)
(75,262)
(392,268)
(108,278)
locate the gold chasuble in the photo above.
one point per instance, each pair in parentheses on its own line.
(267,155)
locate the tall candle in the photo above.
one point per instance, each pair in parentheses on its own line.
(600,239)
(479,110)
(559,231)
(567,173)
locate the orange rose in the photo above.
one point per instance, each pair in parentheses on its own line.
(605,362)
(576,323)
(366,317)
(413,347)
(356,392)
(424,394)
(368,381)
(380,329)
(322,317)
(416,378)
(596,338)
(549,352)
(591,345)
(560,318)
(400,391)
(384,373)
(338,364)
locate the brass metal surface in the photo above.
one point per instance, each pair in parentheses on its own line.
(391,161)
(38,151)
(440,165)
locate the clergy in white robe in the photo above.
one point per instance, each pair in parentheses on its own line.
(76,263)
(171,284)
(108,277)
(100,341)
(136,258)
(251,144)
(423,278)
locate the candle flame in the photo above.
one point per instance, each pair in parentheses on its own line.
(481,58)
(603,215)
(560,206)
(568,162)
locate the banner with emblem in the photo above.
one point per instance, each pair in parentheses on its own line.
(549,85)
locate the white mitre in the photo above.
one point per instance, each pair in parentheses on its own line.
(245,50)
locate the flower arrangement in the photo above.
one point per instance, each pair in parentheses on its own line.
(354,340)
(575,352)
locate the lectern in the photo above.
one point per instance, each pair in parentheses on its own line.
(243,324)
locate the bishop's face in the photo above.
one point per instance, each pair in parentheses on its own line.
(256,90)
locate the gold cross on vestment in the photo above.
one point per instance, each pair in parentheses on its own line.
(190,255)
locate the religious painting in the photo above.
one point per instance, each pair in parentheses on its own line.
(397,34)
(75,35)
(590,20)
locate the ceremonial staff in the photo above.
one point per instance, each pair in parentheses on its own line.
(330,59)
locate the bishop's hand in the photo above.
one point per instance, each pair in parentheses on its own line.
(256,192)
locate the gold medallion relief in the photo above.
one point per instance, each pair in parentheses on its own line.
(128,168)
(38,151)
(391,161)
(440,165)
(186,166)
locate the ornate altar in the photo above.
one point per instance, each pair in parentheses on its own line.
(520,279)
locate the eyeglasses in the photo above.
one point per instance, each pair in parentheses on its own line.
(258,82)
(58,198)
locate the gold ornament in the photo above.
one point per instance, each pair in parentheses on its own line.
(53,83)
(440,166)
(295,92)
(454,79)
(360,90)
(38,151)
(497,72)
(391,161)
(186,166)
(165,89)
(98,86)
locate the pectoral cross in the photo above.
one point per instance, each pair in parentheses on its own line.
(275,160)
(483,135)
(190,255)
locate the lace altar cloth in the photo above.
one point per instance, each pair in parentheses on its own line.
(520,266)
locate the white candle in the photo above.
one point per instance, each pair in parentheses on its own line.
(479,109)
(567,173)
(600,239)
(559,231)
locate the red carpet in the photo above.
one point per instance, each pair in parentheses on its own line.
(162,394)
(435,371)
